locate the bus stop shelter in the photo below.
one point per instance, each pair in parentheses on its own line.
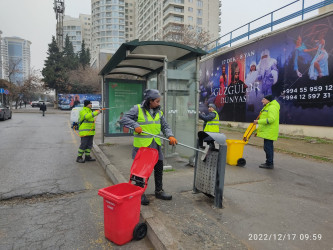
(172,68)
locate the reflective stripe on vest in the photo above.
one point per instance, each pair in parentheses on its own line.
(148,124)
(213,125)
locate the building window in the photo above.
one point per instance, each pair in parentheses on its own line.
(199,3)
(190,18)
(190,9)
(199,12)
(199,21)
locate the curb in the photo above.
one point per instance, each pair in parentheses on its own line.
(157,233)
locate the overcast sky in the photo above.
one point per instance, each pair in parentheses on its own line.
(34,20)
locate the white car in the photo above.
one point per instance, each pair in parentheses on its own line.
(95,105)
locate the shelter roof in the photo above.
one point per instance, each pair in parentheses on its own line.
(141,58)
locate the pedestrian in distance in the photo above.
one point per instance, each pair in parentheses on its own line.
(211,124)
(86,131)
(43,108)
(148,117)
(268,128)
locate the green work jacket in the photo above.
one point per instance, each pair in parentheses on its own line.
(268,123)
(87,122)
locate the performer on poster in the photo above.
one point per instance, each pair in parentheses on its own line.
(302,57)
(267,72)
(253,91)
(236,95)
(319,64)
(220,95)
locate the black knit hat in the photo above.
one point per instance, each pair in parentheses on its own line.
(86,103)
(269,98)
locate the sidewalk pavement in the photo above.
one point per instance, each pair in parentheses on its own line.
(289,207)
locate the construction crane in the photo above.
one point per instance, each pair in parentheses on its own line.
(59,9)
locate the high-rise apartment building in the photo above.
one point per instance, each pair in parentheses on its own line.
(130,20)
(113,23)
(15,59)
(108,24)
(78,29)
(161,20)
(1,68)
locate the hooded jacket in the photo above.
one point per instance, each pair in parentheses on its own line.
(268,123)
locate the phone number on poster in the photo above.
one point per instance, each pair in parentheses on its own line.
(308,93)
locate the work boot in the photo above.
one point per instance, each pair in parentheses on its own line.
(266,166)
(88,158)
(162,195)
(144,200)
(79,159)
(158,175)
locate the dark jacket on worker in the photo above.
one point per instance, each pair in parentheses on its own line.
(43,107)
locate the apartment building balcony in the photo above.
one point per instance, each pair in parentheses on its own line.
(168,3)
(172,10)
(172,29)
(174,19)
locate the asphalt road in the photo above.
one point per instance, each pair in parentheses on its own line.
(47,200)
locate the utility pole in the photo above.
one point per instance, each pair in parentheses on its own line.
(59,9)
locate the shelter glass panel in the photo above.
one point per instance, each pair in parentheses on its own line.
(181,104)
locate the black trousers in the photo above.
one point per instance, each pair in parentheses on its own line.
(269,150)
(86,145)
(158,175)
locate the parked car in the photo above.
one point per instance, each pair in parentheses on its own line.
(5,112)
(36,103)
(95,105)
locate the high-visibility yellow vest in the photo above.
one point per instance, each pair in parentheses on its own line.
(87,122)
(148,124)
(213,125)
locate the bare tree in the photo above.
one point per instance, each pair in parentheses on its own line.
(187,35)
(14,68)
(86,77)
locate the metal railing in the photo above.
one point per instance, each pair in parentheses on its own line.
(271,24)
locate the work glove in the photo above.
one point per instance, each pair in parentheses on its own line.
(138,130)
(172,140)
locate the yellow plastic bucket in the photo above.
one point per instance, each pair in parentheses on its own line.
(235,150)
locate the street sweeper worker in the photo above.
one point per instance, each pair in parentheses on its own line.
(211,124)
(268,128)
(148,117)
(86,131)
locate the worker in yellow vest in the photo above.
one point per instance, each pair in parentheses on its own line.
(211,124)
(86,131)
(148,117)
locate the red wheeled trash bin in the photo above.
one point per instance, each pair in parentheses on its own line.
(122,202)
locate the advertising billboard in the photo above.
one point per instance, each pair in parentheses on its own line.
(295,66)
(69,101)
(122,95)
